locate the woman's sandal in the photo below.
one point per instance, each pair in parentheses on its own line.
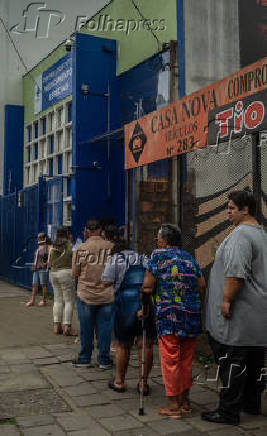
(170,413)
(41,303)
(29,303)
(186,409)
(115,388)
(58,329)
(69,332)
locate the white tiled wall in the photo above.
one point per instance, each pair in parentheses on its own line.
(42,151)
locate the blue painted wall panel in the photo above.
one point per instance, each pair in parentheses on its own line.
(13,155)
(147,86)
(95,191)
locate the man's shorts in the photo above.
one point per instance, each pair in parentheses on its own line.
(126,324)
(40,277)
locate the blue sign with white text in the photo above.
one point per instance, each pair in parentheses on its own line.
(53,84)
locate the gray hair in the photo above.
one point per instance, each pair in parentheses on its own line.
(171,233)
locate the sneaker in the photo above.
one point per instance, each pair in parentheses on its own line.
(76,363)
(107,366)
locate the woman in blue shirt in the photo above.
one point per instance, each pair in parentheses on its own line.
(178,283)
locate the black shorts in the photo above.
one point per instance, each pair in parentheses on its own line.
(127,328)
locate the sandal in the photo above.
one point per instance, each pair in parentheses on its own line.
(185,408)
(41,303)
(58,329)
(115,388)
(69,332)
(185,405)
(170,413)
(146,390)
(29,303)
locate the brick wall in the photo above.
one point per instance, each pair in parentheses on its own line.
(153,209)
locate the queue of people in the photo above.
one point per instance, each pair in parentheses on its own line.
(120,292)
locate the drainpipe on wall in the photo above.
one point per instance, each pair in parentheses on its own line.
(181,88)
(41,204)
(181,48)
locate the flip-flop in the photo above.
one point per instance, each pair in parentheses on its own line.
(165,411)
(146,390)
(70,333)
(58,332)
(41,303)
(186,410)
(115,388)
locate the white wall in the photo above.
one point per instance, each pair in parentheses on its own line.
(33,45)
(212,53)
(212,41)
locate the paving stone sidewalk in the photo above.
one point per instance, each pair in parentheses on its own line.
(41,394)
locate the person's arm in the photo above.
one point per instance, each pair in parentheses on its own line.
(76,267)
(108,276)
(106,284)
(201,287)
(232,286)
(237,269)
(35,259)
(148,283)
(147,289)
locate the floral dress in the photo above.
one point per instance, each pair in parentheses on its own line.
(176,299)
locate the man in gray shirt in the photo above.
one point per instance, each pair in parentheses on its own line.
(237,312)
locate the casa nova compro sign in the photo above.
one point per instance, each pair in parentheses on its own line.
(233,106)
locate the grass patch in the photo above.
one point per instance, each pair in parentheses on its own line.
(8,421)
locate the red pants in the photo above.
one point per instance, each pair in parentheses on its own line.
(176,355)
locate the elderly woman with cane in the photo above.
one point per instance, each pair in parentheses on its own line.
(125,271)
(178,284)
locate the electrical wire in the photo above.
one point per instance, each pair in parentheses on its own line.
(18,53)
(145,19)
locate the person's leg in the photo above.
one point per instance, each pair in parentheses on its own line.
(44,277)
(233,375)
(187,354)
(42,302)
(113,343)
(169,348)
(67,292)
(122,361)
(86,314)
(255,383)
(103,327)
(151,334)
(58,302)
(148,359)
(35,283)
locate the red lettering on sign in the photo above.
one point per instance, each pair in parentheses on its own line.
(254,115)
(238,117)
(222,120)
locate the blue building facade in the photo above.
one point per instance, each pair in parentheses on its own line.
(101,103)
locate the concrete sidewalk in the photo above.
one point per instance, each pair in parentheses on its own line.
(41,394)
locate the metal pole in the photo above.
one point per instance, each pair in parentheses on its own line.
(108,121)
(256,177)
(141,395)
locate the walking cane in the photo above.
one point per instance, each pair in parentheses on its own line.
(141,394)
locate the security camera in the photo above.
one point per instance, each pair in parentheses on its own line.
(68,44)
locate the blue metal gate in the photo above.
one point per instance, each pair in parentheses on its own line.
(22,216)
(54,205)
